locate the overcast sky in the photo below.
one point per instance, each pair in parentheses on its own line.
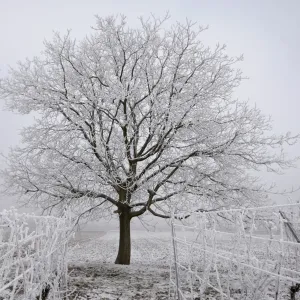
(266,32)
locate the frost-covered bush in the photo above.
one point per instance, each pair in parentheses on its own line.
(33,250)
(237,254)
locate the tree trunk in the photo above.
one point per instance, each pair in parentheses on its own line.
(124,253)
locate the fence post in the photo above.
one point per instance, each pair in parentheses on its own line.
(175,260)
(288,224)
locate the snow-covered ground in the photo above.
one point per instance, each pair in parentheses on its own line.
(93,274)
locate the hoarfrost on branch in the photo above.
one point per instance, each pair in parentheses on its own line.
(140,119)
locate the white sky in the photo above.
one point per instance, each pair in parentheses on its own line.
(266,32)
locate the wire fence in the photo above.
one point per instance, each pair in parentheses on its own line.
(249,254)
(33,263)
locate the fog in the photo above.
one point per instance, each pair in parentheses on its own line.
(266,32)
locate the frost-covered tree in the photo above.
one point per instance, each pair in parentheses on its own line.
(136,120)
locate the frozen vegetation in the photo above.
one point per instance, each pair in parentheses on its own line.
(136,121)
(249,256)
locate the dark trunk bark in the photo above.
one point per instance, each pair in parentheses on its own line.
(124,252)
(293,290)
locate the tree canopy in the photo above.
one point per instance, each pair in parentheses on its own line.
(137,120)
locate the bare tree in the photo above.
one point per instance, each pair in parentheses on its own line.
(135,121)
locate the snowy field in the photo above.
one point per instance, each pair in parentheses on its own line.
(93,274)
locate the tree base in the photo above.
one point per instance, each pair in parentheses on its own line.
(124,253)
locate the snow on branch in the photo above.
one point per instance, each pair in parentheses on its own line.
(131,109)
(33,249)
